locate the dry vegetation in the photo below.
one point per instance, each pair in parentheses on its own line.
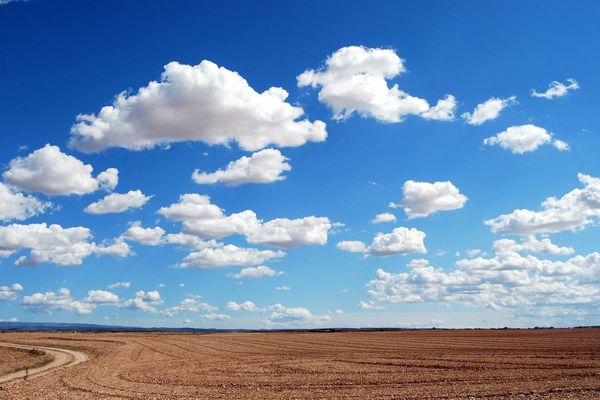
(12,360)
(501,364)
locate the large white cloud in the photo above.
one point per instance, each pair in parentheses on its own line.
(400,241)
(118,202)
(228,255)
(424,198)
(202,102)
(556,89)
(52,172)
(509,279)
(255,272)
(488,110)
(354,79)
(10,292)
(54,244)
(17,206)
(202,218)
(264,166)
(574,210)
(282,315)
(61,300)
(524,138)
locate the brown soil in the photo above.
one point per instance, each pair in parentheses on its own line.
(437,364)
(17,359)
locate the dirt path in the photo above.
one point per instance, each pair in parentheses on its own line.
(61,358)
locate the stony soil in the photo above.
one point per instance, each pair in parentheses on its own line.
(436,364)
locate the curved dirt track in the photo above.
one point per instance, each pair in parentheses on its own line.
(60,358)
(476,364)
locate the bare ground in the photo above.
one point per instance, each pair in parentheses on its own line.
(12,359)
(437,364)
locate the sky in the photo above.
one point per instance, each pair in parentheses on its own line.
(310,164)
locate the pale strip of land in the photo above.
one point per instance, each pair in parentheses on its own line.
(60,358)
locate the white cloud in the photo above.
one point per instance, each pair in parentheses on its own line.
(189,304)
(54,173)
(423,198)
(215,317)
(109,179)
(203,102)
(143,301)
(574,210)
(283,315)
(383,218)
(117,285)
(283,288)
(101,297)
(147,236)
(509,279)
(488,110)
(247,306)
(228,255)
(287,233)
(17,206)
(400,241)
(524,138)
(354,79)
(54,244)
(201,218)
(255,272)
(556,89)
(118,202)
(368,305)
(10,292)
(265,166)
(443,110)
(61,300)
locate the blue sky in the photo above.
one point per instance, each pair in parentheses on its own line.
(469,128)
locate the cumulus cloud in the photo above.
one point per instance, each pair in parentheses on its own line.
(17,206)
(147,236)
(556,89)
(282,315)
(10,292)
(143,301)
(524,138)
(383,218)
(245,306)
(513,277)
(228,255)
(118,202)
(61,300)
(400,241)
(117,285)
(443,110)
(54,244)
(265,166)
(574,210)
(201,102)
(488,110)
(189,304)
(101,297)
(215,317)
(202,218)
(423,198)
(255,272)
(354,79)
(54,173)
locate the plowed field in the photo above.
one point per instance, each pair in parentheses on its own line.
(435,364)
